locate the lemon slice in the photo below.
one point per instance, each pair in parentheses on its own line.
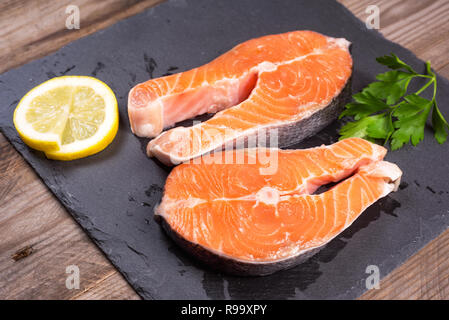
(68,117)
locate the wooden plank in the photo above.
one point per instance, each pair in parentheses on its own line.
(111,287)
(31,216)
(31,29)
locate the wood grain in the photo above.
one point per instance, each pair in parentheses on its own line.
(31,217)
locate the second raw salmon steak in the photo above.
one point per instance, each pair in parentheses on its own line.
(295,83)
(243,220)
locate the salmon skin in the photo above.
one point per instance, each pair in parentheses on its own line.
(239,221)
(293,84)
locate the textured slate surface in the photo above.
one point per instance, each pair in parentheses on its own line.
(111,195)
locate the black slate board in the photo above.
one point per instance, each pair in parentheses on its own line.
(111,194)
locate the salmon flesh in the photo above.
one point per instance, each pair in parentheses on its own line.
(292,85)
(241,220)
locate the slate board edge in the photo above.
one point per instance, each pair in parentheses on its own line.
(80,218)
(379,35)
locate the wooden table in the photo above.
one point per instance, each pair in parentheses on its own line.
(39,239)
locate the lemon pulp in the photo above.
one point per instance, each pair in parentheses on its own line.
(68,117)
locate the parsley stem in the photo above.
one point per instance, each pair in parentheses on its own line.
(434,88)
(427,85)
(424,76)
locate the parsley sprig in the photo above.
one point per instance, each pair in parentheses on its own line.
(384,110)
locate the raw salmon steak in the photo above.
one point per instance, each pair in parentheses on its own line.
(294,84)
(242,221)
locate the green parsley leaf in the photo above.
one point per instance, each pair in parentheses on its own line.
(440,125)
(411,105)
(372,127)
(365,105)
(393,62)
(410,128)
(392,85)
(384,110)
